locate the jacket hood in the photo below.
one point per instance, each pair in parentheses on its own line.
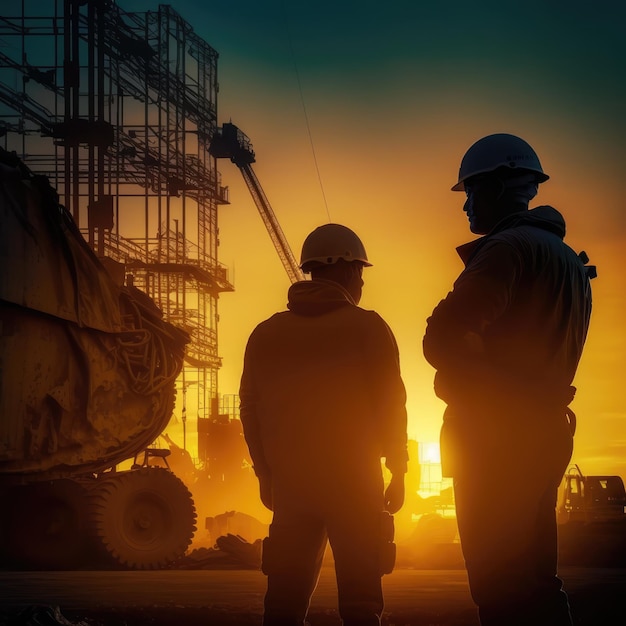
(316,297)
(544,217)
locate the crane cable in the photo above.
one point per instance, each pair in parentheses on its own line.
(306,117)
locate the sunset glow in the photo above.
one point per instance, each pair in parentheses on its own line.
(359,113)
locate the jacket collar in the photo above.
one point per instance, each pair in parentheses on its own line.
(544,217)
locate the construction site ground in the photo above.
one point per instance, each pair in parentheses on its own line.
(414,597)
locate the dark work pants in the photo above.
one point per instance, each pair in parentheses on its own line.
(505,497)
(292,559)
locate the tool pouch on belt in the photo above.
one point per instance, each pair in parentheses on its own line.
(387,548)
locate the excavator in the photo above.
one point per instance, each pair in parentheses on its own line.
(87,381)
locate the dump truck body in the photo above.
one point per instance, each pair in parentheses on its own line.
(88,369)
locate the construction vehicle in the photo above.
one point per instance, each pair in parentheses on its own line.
(87,362)
(230,142)
(591,512)
(591,498)
(87,381)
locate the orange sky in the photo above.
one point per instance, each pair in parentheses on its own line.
(391,185)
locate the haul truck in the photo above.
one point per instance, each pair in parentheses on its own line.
(87,381)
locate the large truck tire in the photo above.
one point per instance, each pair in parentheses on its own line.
(144,518)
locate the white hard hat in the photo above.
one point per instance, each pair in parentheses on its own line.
(331,242)
(499,150)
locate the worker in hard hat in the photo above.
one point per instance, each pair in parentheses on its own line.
(322,402)
(506,343)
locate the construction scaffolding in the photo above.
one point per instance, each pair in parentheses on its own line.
(118,109)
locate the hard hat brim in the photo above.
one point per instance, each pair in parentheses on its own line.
(541,177)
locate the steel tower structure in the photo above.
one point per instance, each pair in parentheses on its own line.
(118,109)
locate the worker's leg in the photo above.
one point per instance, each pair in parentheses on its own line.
(511,566)
(292,558)
(507,526)
(355,538)
(549,599)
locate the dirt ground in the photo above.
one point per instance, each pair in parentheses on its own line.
(414,597)
(225,587)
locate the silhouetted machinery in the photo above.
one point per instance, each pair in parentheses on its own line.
(231,143)
(591,498)
(87,380)
(592,520)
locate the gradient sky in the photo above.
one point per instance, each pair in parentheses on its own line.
(394,93)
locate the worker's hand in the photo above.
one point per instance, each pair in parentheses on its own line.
(265,490)
(394,494)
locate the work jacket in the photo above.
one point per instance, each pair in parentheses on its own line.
(511,332)
(322,398)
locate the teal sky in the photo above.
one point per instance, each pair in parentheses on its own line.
(561,45)
(573,51)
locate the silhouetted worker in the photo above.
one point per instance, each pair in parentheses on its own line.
(322,401)
(506,342)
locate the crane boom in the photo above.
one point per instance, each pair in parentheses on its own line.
(271,223)
(230,142)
